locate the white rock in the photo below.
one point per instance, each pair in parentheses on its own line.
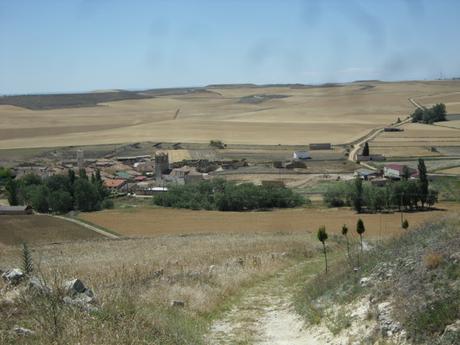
(13,276)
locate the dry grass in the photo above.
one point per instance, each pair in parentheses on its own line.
(203,271)
(41,230)
(155,221)
(433,260)
(307,115)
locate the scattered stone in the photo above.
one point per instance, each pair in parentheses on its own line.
(452,331)
(158,274)
(365,282)
(211,270)
(23,331)
(178,304)
(13,276)
(74,286)
(38,286)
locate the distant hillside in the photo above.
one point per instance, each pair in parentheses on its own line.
(70,100)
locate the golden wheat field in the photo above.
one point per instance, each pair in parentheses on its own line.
(160,221)
(236,115)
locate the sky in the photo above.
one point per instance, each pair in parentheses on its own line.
(73,46)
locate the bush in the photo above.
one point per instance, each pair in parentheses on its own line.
(107,203)
(228,196)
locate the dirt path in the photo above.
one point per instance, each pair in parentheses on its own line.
(264,316)
(88,226)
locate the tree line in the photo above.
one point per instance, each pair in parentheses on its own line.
(222,195)
(59,193)
(430,115)
(407,194)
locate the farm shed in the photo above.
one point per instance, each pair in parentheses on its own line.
(15,210)
(365,174)
(320,146)
(301,155)
(396,171)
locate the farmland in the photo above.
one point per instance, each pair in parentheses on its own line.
(304,114)
(38,230)
(157,221)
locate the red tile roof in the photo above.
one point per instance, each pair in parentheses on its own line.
(114,183)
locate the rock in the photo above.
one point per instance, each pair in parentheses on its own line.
(177,303)
(211,270)
(158,274)
(387,325)
(240,261)
(455,257)
(452,331)
(74,286)
(83,302)
(365,281)
(38,286)
(23,331)
(13,276)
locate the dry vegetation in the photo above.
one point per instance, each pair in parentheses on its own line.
(416,140)
(41,230)
(135,281)
(154,221)
(306,115)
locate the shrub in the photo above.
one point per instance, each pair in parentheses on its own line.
(107,203)
(433,260)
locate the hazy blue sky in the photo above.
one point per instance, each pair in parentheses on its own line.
(64,45)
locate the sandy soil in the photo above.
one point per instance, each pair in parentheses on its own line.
(156,221)
(306,115)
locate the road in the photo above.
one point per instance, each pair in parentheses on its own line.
(352,156)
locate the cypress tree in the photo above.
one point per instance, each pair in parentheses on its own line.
(423,184)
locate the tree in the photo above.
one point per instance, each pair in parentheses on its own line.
(405,224)
(405,173)
(60,201)
(360,229)
(432,197)
(366,149)
(423,181)
(82,174)
(358,195)
(345,233)
(86,196)
(38,197)
(12,191)
(322,237)
(439,112)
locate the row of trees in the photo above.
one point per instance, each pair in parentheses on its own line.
(408,194)
(222,195)
(59,193)
(360,229)
(429,115)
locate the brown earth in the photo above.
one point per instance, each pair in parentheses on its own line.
(160,221)
(35,229)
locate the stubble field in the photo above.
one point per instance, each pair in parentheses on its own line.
(160,221)
(287,115)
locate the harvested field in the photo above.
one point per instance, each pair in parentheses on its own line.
(416,141)
(454,171)
(295,116)
(41,230)
(158,221)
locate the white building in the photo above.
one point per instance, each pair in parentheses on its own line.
(301,155)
